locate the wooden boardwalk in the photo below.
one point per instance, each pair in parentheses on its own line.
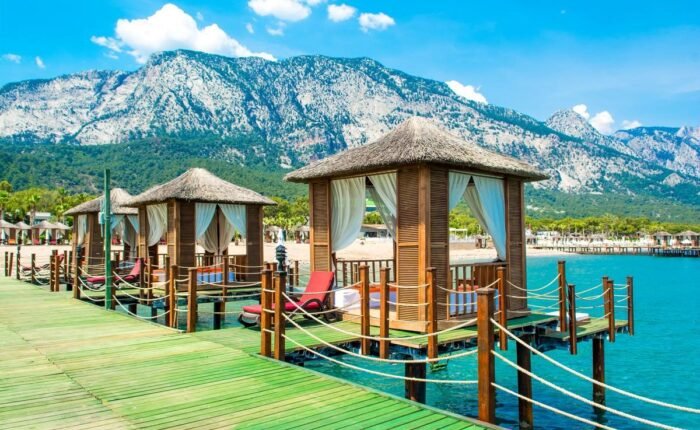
(66,364)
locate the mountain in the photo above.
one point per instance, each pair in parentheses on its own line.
(310,106)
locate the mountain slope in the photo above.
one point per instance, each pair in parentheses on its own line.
(308,107)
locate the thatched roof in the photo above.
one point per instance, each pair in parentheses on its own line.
(416,140)
(45,225)
(61,226)
(199,185)
(6,224)
(117,196)
(23,226)
(687,233)
(662,233)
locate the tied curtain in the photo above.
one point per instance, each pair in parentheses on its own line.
(157,222)
(215,237)
(347,211)
(129,235)
(486,199)
(383,193)
(82,228)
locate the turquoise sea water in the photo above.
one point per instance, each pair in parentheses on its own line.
(661,361)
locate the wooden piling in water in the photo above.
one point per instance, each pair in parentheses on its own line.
(610,298)
(525,415)
(365,343)
(573,338)
(384,344)
(630,305)
(487,372)
(561,269)
(432,314)
(415,390)
(280,285)
(192,301)
(265,316)
(599,370)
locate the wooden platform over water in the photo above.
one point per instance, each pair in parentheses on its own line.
(65,364)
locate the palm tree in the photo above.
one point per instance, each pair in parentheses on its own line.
(4,199)
(32,201)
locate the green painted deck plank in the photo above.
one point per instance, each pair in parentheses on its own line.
(69,364)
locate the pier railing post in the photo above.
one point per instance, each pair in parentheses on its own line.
(265,316)
(171,293)
(192,301)
(610,293)
(280,286)
(69,270)
(296,273)
(431,299)
(76,279)
(502,308)
(561,268)
(487,373)
(33,267)
(364,308)
(7,257)
(573,338)
(12,262)
(599,371)
(55,287)
(630,305)
(18,265)
(110,290)
(384,344)
(524,384)
(65,267)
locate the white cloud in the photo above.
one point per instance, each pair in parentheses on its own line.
(39,62)
(342,12)
(375,21)
(171,28)
(249,28)
(13,58)
(582,110)
(467,91)
(627,124)
(278,31)
(603,122)
(314,2)
(199,16)
(286,10)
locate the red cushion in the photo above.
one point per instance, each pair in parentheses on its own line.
(320,283)
(96,280)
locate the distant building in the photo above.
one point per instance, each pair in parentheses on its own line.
(663,238)
(41,216)
(687,238)
(378,231)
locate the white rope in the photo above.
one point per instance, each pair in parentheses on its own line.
(581,398)
(369,357)
(591,297)
(139,316)
(552,408)
(374,372)
(591,380)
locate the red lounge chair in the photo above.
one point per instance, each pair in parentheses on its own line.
(132,277)
(314,299)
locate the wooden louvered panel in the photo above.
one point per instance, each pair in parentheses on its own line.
(439,231)
(95,244)
(143,233)
(516,240)
(172,235)
(186,236)
(320,232)
(254,240)
(407,238)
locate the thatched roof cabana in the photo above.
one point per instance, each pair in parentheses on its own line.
(7,230)
(23,226)
(118,198)
(198,208)
(416,174)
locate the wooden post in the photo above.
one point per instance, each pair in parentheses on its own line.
(280,284)
(415,390)
(431,299)
(9,267)
(599,370)
(364,309)
(573,338)
(561,268)
(55,287)
(172,296)
(7,256)
(65,267)
(487,373)
(69,270)
(110,301)
(225,271)
(630,305)
(33,263)
(51,269)
(384,344)
(218,313)
(502,307)
(610,293)
(192,301)
(296,273)
(524,384)
(265,317)
(76,279)
(18,265)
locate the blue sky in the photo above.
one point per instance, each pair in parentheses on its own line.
(639,62)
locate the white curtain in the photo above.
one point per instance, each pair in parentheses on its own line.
(210,238)
(384,195)
(203,214)
(347,211)
(129,234)
(134,220)
(236,216)
(116,220)
(227,230)
(493,210)
(458,184)
(82,228)
(157,222)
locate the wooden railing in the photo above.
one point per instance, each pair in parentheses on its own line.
(347,271)
(468,277)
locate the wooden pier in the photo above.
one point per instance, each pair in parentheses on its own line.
(657,251)
(67,364)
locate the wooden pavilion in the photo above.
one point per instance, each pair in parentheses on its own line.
(416,174)
(47,229)
(22,229)
(198,208)
(87,238)
(8,232)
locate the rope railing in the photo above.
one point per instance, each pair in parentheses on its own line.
(594,381)
(152,317)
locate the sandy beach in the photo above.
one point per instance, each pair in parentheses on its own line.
(369,249)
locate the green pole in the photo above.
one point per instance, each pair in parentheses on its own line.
(107,219)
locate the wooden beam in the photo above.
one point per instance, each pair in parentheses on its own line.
(561,268)
(573,337)
(415,390)
(265,316)
(502,307)
(610,293)
(384,344)
(524,384)
(630,305)
(364,309)
(192,301)
(431,300)
(486,369)
(599,370)
(280,286)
